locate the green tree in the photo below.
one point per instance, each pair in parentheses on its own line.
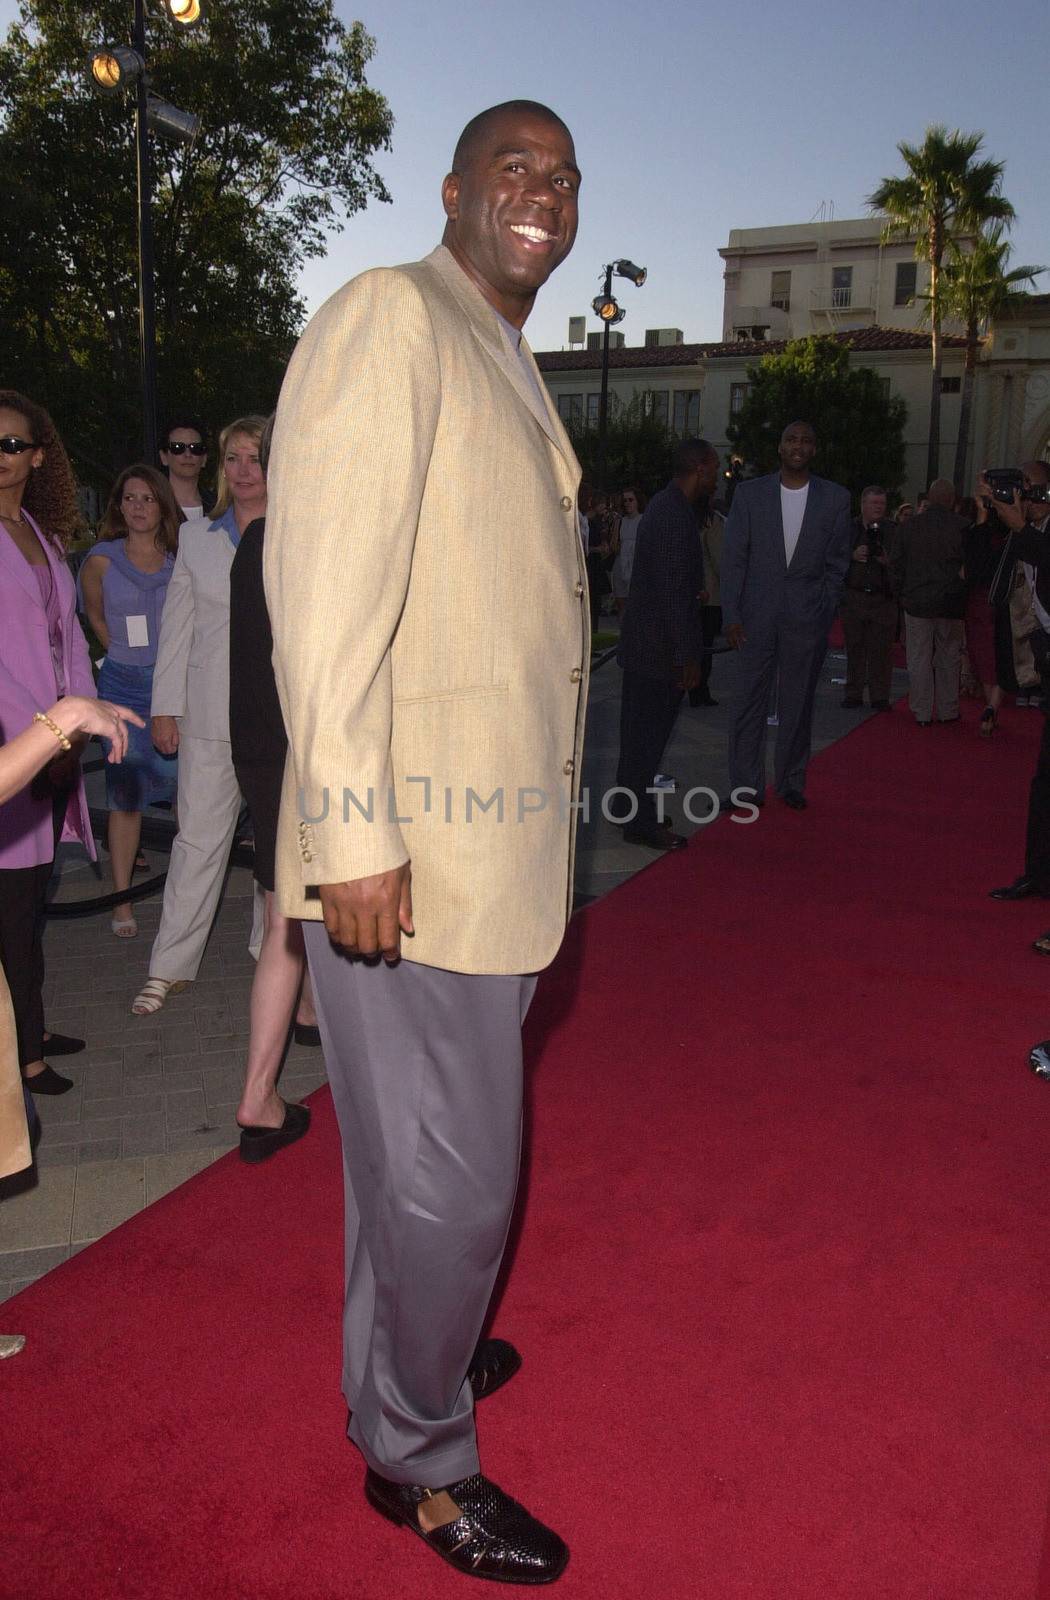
(976,288)
(945,195)
(639,448)
(289,124)
(860,428)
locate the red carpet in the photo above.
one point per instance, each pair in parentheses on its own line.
(782,1284)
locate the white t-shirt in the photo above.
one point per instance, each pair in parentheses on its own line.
(792,510)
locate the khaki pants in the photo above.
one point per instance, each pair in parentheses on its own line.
(934,647)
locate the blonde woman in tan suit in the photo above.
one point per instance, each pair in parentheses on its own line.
(432,681)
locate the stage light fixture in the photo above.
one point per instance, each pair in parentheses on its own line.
(606,308)
(627,269)
(185,12)
(165,118)
(114,67)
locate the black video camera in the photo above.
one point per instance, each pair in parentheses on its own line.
(876,537)
(1005,482)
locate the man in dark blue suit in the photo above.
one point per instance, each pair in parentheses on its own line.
(662,636)
(786,553)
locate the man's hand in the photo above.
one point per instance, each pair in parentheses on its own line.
(691,675)
(368,916)
(861,553)
(735,635)
(703,597)
(164,731)
(1010,512)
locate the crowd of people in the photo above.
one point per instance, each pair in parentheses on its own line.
(244,673)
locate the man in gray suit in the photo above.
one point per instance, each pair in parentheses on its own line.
(787,548)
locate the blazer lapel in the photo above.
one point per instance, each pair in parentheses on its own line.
(776,517)
(485,327)
(15,562)
(809,519)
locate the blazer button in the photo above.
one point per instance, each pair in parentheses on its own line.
(575,675)
(566,503)
(569,768)
(579,591)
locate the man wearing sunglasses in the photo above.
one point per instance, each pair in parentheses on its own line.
(184,460)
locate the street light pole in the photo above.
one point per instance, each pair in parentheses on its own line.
(603,404)
(147,297)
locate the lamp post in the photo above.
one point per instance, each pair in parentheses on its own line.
(113,68)
(609,312)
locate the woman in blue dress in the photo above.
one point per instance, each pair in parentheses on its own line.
(123,583)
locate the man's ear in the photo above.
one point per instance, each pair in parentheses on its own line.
(450,195)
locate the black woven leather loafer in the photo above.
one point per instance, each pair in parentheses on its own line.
(494,1363)
(493,1537)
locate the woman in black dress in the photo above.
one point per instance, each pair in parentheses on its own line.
(259,746)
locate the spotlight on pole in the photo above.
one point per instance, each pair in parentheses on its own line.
(165,118)
(185,12)
(114,67)
(606,308)
(627,269)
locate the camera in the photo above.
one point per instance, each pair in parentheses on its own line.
(876,537)
(1006,481)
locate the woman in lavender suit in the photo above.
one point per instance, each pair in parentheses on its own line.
(124,582)
(43,656)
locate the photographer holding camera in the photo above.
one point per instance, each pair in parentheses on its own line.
(1020,500)
(869,606)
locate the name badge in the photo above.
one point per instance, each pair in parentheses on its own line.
(138,632)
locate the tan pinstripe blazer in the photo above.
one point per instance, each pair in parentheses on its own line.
(427,590)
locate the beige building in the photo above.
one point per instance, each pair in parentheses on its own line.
(697,388)
(820,277)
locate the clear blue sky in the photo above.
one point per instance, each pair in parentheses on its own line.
(690,120)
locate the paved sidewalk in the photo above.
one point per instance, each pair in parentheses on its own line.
(155,1097)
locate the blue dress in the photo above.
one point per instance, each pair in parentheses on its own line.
(132,603)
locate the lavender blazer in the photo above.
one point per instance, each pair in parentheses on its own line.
(27,685)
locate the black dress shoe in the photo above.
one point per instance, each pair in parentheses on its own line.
(306,1033)
(1039,1059)
(60,1044)
(1022,888)
(701,697)
(655,838)
(494,1363)
(881,705)
(49,1082)
(494,1537)
(259,1143)
(795,799)
(727,803)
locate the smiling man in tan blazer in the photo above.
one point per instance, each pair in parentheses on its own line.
(432,674)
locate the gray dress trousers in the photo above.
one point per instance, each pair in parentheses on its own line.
(425,1068)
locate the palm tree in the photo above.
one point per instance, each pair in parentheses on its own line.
(946,194)
(975,288)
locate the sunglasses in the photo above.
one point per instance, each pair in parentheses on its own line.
(177,446)
(12,445)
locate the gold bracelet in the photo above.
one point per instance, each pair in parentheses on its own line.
(40,716)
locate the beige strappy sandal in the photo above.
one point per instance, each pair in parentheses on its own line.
(153,994)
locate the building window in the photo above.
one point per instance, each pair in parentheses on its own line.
(780,291)
(904,289)
(687,412)
(570,407)
(593,406)
(756,333)
(951,385)
(737,396)
(654,404)
(842,286)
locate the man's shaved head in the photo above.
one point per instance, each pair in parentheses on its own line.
(941,493)
(478,126)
